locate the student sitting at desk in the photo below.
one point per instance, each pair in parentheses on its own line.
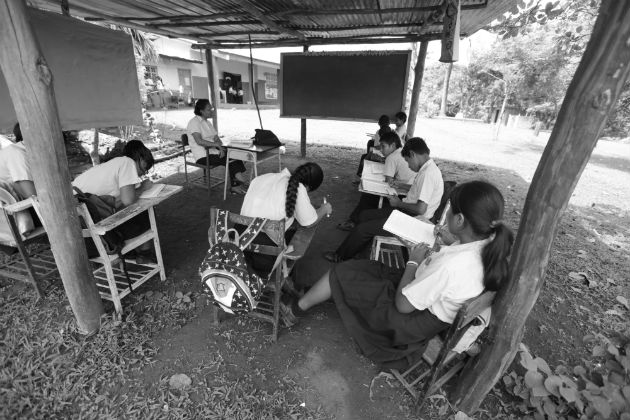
(14,167)
(383,123)
(392,313)
(202,135)
(423,199)
(395,171)
(284,196)
(400,120)
(120,178)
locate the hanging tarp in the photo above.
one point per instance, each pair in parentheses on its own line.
(94,74)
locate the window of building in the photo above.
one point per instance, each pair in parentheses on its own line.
(271,86)
(150,72)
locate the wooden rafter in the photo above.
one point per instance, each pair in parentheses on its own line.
(256,13)
(202,23)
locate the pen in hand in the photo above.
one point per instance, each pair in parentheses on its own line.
(326,202)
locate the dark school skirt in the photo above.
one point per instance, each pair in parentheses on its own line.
(364,292)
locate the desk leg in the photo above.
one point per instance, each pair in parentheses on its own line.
(279,161)
(227,174)
(380,202)
(156,244)
(255,166)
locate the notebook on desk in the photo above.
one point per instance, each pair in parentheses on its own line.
(373,171)
(410,228)
(154,191)
(377,187)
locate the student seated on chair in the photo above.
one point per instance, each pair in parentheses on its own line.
(284,196)
(396,172)
(202,135)
(423,199)
(400,120)
(392,313)
(14,167)
(120,178)
(372,144)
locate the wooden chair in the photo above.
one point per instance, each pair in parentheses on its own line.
(205,180)
(116,279)
(444,363)
(28,264)
(268,308)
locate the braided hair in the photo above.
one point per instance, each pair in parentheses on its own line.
(310,175)
(481,203)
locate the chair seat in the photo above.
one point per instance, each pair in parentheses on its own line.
(33,234)
(130,244)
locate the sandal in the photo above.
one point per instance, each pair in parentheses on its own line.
(348,225)
(238,190)
(332,256)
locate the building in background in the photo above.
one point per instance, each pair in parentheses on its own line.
(182,71)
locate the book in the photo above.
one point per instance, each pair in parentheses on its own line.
(377,187)
(154,191)
(373,171)
(410,228)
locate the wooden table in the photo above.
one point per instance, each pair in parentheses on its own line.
(249,153)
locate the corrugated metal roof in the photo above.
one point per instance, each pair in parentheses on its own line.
(229,23)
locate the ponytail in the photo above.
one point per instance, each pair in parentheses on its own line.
(482,205)
(310,175)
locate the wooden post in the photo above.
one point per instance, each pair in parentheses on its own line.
(450,32)
(592,94)
(65,8)
(303,126)
(417,86)
(210,66)
(447,79)
(30,86)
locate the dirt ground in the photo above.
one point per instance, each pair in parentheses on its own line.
(593,239)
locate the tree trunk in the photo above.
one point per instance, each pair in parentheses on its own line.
(417,86)
(96,159)
(303,126)
(30,84)
(447,80)
(590,98)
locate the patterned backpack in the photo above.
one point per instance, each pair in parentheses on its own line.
(224,271)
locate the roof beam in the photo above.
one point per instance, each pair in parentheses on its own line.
(176,18)
(307,12)
(359,27)
(234,33)
(196,21)
(227,44)
(250,8)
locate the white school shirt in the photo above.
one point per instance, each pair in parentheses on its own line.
(4,142)
(266,197)
(207,131)
(428,187)
(14,166)
(396,167)
(447,279)
(402,132)
(109,177)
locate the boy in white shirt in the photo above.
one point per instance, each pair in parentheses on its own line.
(400,119)
(14,167)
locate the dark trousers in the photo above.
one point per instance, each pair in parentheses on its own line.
(370,225)
(236,166)
(370,144)
(366,202)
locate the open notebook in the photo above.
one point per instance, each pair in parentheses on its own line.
(154,191)
(373,171)
(410,228)
(377,187)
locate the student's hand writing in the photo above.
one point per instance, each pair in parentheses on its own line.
(443,235)
(394,201)
(327,208)
(419,252)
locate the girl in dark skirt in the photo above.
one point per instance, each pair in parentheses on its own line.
(391,314)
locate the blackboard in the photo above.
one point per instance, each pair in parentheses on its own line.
(343,85)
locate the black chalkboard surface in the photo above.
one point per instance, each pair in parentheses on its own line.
(343,85)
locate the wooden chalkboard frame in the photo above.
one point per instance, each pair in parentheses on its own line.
(404,95)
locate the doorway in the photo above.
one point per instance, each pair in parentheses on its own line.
(233,87)
(185,82)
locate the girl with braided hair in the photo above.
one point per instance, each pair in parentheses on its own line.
(392,313)
(284,196)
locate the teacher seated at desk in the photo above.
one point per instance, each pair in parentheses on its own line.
(202,135)
(120,178)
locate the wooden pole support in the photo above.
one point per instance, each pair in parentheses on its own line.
(417,86)
(450,32)
(592,94)
(210,66)
(30,84)
(303,126)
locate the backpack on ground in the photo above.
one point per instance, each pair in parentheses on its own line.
(232,285)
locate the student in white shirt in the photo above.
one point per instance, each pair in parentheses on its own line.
(202,136)
(284,196)
(400,120)
(423,199)
(391,313)
(14,167)
(120,178)
(383,123)
(396,171)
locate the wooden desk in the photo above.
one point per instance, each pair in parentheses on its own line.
(246,152)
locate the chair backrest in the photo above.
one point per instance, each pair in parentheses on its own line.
(448,187)
(184,140)
(273,228)
(472,308)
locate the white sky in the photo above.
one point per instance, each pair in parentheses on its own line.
(476,42)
